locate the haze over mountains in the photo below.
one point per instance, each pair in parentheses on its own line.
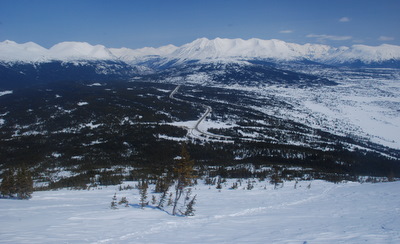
(204,50)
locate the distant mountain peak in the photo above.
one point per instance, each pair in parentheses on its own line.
(25,52)
(80,50)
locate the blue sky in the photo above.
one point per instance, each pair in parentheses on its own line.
(140,23)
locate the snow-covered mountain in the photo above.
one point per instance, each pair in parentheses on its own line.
(228,49)
(204,50)
(365,54)
(80,51)
(11,51)
(227,61)
(65,51)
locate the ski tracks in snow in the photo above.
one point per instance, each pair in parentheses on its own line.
(253,211)
(161,227)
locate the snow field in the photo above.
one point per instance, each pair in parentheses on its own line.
(323,213)
(365,108)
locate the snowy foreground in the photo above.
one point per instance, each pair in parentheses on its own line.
(325,213)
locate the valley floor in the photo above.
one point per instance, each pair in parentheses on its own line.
(322,213)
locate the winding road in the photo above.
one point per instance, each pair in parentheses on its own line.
(199,121)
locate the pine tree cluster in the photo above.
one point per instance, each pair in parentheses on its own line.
(181,177)
(17,183)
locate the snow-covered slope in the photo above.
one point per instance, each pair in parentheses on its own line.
(322,213)
(203,49)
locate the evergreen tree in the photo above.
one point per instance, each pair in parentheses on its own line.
(219,185)
(234,186)
(170,201)
(162,200)
(183,173)
(7,187)
(187,196)
(153,200)
(275,178)
(124,201)
(143,185)
(162,183)
(114,202)
(189,208)
(24,183)
(162,186)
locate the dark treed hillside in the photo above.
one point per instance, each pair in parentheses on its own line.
(88,127)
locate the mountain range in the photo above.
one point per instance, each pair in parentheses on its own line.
(224,61)
(202,49)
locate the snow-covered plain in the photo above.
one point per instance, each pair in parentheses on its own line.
(362,105)
(366,108)
(323,213)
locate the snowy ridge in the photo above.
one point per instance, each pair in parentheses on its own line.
(203,49)
(218,48)
(232,49)
(366,54)
(65,51)
(132,55)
